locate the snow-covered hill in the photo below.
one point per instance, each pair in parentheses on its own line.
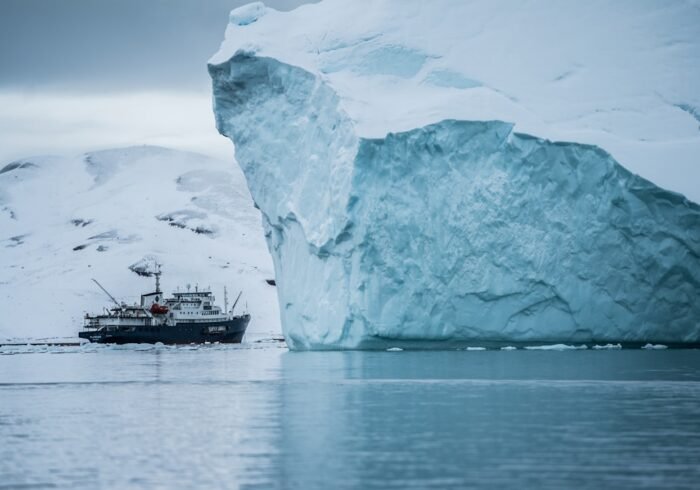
(65,220)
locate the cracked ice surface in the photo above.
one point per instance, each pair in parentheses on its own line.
(393,213)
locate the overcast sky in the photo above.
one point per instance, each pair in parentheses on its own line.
(82,75)
(112,45)
(79,75)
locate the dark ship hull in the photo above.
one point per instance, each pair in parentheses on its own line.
(224,331)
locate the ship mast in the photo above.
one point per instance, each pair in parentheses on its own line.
(225,301)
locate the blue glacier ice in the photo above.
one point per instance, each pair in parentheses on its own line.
(458,231)
(403,203)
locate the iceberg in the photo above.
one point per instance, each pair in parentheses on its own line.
(410,201)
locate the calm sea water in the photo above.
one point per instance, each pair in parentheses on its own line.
(258,416)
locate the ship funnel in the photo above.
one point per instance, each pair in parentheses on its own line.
(157,273)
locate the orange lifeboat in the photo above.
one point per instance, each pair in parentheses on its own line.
(157,309)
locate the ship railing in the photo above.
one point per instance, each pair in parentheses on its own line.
(91,322)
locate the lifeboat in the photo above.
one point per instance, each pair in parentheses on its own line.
(157,309)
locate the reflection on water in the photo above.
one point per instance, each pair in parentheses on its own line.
(264,417)
(489,419)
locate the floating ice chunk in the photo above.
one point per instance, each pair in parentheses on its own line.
(607,347)
(394,349)
(475,348)
(134,346)
(556,347)
(509,347)
(655,347)
(188,347)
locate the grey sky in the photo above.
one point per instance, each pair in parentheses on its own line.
(82,75)
(112,45)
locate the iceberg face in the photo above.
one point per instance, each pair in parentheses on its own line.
(452,231)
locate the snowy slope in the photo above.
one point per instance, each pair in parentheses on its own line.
(408,161)
(621,75)
(65,220)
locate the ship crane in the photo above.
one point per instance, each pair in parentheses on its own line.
(236,302)
(121,307)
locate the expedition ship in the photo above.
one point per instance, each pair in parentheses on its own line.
(186,317)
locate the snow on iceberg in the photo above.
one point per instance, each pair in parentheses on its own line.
(394,215)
